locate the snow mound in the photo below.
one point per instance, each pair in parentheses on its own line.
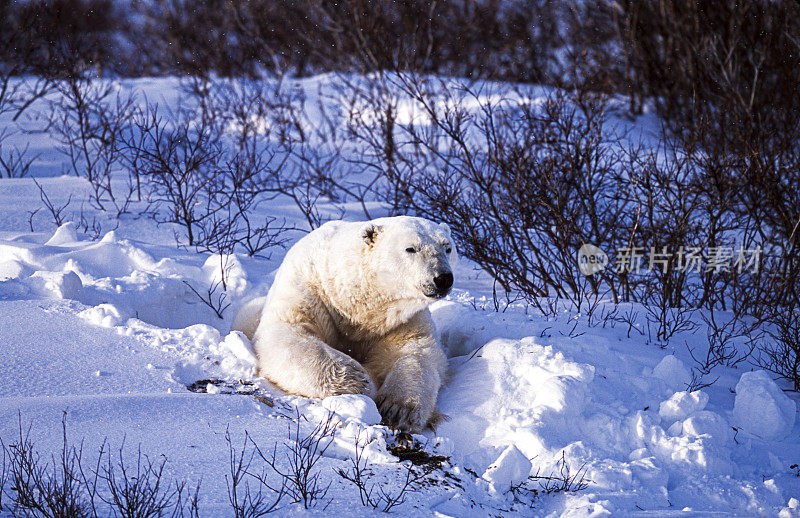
(673,372)
(353,406)
(104,315)
(202,350)
(235,355)
(792,509)
(353,419)
(698,445)
(709,424)
(228,268)
(513,392)
(527,396)
(65,234)
(511,467)
(458,330)
(61,285)
(120,273)
(681,405)
(761,408)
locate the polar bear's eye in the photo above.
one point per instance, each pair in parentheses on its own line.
(411,250)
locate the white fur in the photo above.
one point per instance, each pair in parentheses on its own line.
(348,313)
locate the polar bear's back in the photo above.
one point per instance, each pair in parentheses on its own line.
(333,247)
(333,236)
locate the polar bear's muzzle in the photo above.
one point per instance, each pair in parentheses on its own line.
(441,285)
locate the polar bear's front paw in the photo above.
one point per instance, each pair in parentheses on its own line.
(400,412)
(346,377)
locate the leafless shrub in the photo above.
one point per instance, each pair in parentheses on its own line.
(278,150)
(256,240)
(730,341)
(565,480)
(88,119)
(19,94)
(374,495)
(590,53)
(65,485)
(723,78)
(732,99)
(55,487)
(209,180)
(608,315)
(31,215)
(669,321)
(700,379)
(227,219)
(214,297)
(188,505)
(18,59)
(307,148)
(56,211)
(176,162)
(512,40)
(732,61)
(370,36)
(92,227)
(16,93)
(780,352)
(562,480)
(139,491)
(630,318)
(509,298)
(503,40)
(16,163)
(197,39)
(317,178)
(249,501)
(303,484)
(59,37)
(3,473)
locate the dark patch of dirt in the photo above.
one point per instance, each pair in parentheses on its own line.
(406,448)
(240,387)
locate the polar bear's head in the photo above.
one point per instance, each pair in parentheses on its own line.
(412,258)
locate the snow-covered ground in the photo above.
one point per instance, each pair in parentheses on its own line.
(109,332)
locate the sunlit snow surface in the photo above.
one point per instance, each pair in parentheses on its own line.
(108,331)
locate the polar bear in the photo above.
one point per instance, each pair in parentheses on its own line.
(348,313)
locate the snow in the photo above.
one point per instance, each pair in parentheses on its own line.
(511,467)
(108,331)
(65,234)
(762,408)
(106,315)
(792,509)
(673,372)
(681,405)
(236,355)
(353,406)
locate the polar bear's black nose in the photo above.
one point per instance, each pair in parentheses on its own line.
(443,282)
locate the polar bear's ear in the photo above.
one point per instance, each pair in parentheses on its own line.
(370,233)
(445,227)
